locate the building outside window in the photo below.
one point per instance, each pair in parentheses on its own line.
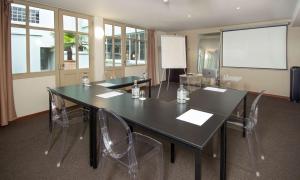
(33,39)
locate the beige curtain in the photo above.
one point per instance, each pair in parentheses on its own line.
(151,56)
(7,107)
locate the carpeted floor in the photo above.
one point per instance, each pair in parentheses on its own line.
(22,146)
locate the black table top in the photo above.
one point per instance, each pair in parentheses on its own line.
(123,82)
(160,116)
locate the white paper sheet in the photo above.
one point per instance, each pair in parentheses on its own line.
(106,84)
(109,94)
(195,117)
(215,89)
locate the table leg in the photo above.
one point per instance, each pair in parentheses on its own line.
(197,164)
(93,138)
(223,152)
(149,82)
(50,113)
(244,116)
(172,152)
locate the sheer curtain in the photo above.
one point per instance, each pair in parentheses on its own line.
(7,107)
(151,56)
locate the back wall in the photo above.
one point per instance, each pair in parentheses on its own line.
(276,82)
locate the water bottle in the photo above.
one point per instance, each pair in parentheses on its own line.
(181,94)
(85,79)
(135,91)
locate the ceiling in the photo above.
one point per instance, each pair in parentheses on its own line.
(182,14)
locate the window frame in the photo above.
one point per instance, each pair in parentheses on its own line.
(27,27)
(136,43)
(123,44)
(77,33)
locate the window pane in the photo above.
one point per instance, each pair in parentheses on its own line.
(118,31)
(69,51)
(141,52)
(130,52)
(69,23)
(83,51)
(41,17)
(83,25)
(130,32)
(118,52)
(42,50)
(18,48)
(18,14)
(140,34)
(108,52)
(108,30)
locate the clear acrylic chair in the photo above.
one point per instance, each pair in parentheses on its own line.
(252,137)
(63,118)
(129,149)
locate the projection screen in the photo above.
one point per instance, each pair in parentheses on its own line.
(256,48)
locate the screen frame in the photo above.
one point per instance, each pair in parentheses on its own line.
(286,54)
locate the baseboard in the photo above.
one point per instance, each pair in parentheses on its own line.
(30,116)
(271,95)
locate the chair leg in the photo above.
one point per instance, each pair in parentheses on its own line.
(51,137)
(259,146)
(64,138)
(160,164)
(252,154)
(83,130)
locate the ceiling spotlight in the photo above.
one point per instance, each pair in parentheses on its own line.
(165,1)
(238,8)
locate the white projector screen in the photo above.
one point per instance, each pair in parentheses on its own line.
(255,48)
(173,53)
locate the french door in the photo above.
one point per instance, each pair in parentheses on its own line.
(76,39)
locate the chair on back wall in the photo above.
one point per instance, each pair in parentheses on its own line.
(130,149)
(252,137)
(62,118)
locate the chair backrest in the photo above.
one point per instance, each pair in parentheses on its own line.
(116,135)
(58,108)
(254,111)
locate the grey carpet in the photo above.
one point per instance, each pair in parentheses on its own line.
(22,146)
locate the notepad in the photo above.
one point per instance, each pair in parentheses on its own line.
(106,84)
(195,117)
(109,94)
(215,89)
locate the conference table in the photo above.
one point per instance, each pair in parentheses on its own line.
(160,116)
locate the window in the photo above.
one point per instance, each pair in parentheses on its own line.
(113,45)
(38,54)
(76,42)
(135,46)
(124,44)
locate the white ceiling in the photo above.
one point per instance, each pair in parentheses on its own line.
(174,15)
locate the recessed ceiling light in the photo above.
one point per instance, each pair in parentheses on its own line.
(189,16)
(165,1)
(238,8)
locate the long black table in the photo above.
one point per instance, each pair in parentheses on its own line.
(160,117)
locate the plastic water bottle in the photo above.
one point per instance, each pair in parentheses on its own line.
(181,94)
(135,91)
(85,79)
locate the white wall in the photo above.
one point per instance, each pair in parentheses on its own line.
(159,70)
(31,95)
(135,70)
(98,49)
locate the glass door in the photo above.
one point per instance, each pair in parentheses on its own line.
(75,49)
